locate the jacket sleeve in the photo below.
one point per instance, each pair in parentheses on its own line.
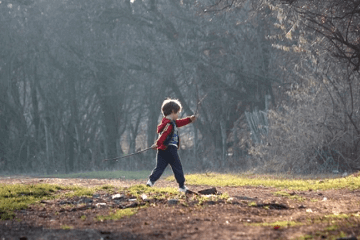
(183,122)
(160,141)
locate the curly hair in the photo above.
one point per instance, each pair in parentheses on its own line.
(170,105)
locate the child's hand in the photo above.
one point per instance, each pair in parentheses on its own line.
(154,146)
(193,118)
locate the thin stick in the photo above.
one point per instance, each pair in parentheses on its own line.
(129,155)
(198,104)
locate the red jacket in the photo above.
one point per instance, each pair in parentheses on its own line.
(165,129)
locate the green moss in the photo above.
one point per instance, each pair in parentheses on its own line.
(67,227)
(278,223)
(79,191)
(138,190)
(120,213)
(332,228)
(217,179)
(252,204)
(285,194)
(342,216)
(305,237)
(19,196)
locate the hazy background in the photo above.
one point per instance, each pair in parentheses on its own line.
(83,80)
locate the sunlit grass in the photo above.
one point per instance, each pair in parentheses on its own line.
(19,196)
(288,195)
(217,179)
(281,224)
(105,175)
(66,227)
(118,214)
(139,189)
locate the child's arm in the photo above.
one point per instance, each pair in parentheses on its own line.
(160,141)
(185,121)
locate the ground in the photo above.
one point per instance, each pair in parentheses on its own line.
(234,213)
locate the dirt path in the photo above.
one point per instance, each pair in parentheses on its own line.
(243,215)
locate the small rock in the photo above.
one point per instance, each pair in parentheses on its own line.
(208,196)
(208,191)
(324,199)
(210,202)
(309,210)
(302,206)
(117,196)
(173,201)
(100,205)
(143,196)
(245,198)
(130,205)
(85,200)
(132,199)
(96,196)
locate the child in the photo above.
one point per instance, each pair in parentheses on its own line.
(169,142)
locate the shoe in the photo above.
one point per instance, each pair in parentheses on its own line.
(183,189)
(149,183)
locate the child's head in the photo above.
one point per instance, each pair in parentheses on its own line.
(170,106)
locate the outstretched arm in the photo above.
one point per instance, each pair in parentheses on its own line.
(185,121)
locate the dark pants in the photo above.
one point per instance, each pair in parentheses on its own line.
(165,157)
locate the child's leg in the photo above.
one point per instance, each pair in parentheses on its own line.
(176,166)
(161,164)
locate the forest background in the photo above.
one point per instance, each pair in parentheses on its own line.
(82,81)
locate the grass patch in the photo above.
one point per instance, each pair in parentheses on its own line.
(341,216)
(288,195)
(281,224)
(324,235)
(18,196)
(120,213)
(104,175)
(138,190)
(217,179)
(78,191)
(66,227)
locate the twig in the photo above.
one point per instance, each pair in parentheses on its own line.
(117,158)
